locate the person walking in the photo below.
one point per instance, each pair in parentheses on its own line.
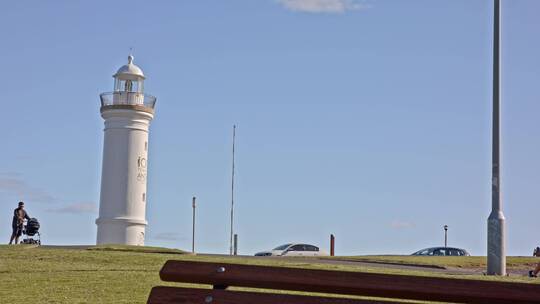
(534,273)
(19,215)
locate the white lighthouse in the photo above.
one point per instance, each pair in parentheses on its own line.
(127,113)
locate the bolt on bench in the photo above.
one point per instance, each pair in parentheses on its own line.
(343,283)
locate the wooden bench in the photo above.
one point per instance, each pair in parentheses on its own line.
(221,276)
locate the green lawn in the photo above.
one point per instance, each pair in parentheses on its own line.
(445,261)
(123,274)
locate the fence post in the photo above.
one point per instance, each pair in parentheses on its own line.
(332,244)
(235,244)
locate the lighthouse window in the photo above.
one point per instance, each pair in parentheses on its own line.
(119,85)
(145,146)
(144,197)
(128,85)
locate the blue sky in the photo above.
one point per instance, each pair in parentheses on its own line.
(366,119)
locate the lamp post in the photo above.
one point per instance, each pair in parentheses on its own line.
(193,236)
(445,236)
(496,255)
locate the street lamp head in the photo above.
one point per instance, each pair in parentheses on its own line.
(445,227)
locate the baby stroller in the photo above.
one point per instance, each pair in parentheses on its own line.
(31,230)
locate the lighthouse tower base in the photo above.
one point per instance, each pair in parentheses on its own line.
(121,231)
(122,205)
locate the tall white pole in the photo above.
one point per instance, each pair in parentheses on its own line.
(232,192)
(193,236)
(496,253)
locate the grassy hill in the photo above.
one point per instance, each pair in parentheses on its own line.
(114,275)
(124,274)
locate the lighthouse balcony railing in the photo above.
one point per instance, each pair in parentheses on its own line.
(127,98)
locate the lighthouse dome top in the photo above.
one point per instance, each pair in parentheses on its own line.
(129,71)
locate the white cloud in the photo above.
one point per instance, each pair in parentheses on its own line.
(324,6)
(77,208)
(168,236)
(402,225)
(13,187)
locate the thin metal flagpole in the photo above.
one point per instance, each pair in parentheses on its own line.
(232,192)
(193,231)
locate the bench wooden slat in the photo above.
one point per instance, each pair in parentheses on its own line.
(179,295)
(351,283)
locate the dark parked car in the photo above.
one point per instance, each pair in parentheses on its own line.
(444,251)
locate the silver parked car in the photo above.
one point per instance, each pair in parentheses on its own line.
(442,251)
(293,250)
